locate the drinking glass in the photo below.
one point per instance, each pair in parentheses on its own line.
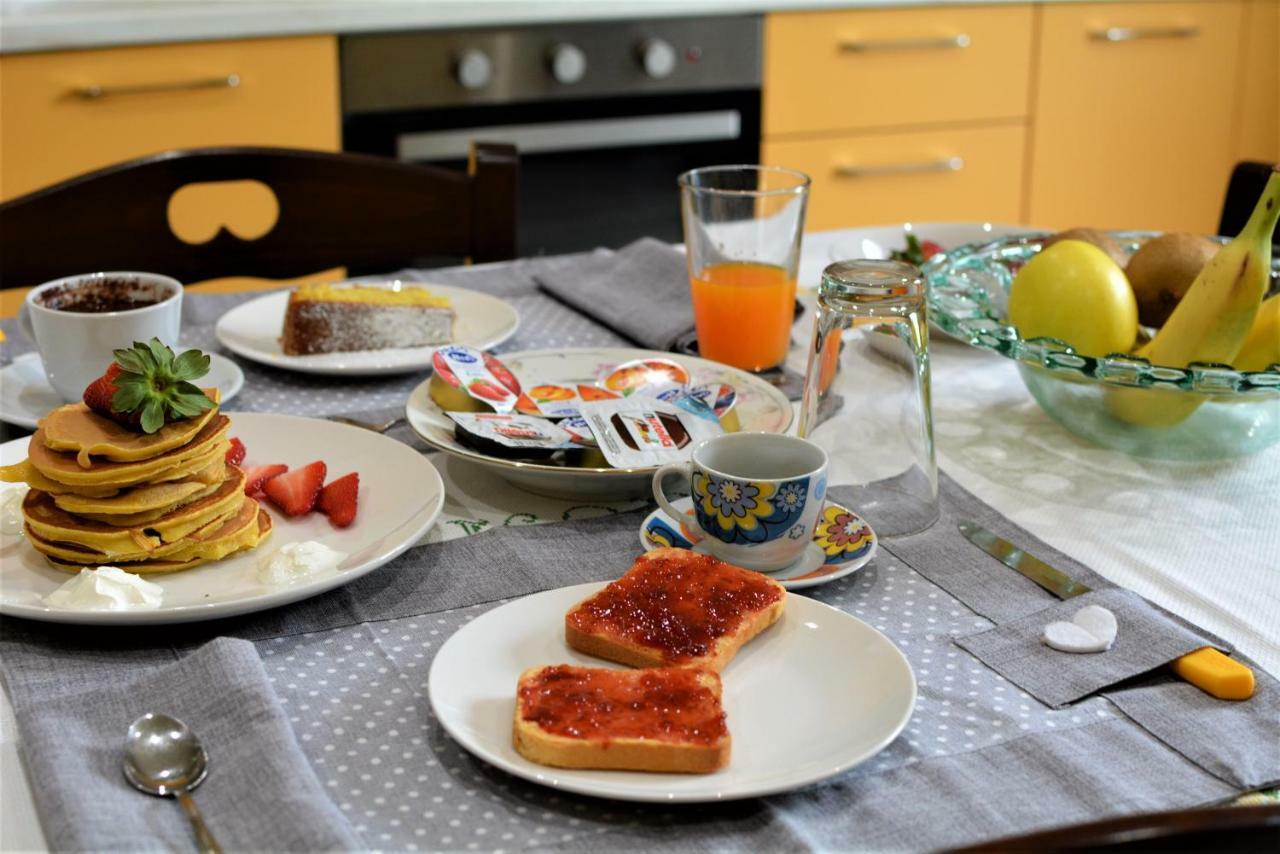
(742,227)
(866,394)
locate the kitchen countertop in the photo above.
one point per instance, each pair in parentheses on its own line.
(36,25)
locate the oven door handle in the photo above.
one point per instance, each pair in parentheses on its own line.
(665,129)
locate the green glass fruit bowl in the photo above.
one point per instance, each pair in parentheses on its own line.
(1119,401)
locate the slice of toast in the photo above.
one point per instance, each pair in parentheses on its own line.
(665,719)
(675,607)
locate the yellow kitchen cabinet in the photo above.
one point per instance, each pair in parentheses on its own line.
(893,68)
(69,112)
(1134,117)
(952,174)
(1258,93)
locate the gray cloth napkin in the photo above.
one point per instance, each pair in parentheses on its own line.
(73,710)
(1145,640)
(641,291)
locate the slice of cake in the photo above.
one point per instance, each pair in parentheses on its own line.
(675,607)
(662,719)
(341,318)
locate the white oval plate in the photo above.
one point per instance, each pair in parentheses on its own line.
(401,495)
(811,697)
(253,329)
(877,241)
(760,407)
(26,396)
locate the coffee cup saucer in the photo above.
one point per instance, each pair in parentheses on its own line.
(842,543)
(26,396)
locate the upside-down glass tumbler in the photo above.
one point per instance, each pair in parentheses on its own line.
(866,394)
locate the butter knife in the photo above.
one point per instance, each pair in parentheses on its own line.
(1208,669)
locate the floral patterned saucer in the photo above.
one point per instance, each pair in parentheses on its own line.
(842,543)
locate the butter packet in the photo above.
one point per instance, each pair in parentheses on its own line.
(468,380)
(637,432)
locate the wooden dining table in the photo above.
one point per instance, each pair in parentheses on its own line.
(1200,539)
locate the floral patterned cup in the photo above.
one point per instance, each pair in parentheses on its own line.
(756,496)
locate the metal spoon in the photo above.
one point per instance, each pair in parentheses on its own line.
(163,757)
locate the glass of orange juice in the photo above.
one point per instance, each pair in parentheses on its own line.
(742,227)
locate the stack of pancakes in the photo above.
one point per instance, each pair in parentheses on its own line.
(102,494)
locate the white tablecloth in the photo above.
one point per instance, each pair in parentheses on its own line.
(1201,539)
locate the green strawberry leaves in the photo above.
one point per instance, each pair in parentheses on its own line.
(156,385)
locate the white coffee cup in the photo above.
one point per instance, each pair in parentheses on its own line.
(76,346)
(756,496)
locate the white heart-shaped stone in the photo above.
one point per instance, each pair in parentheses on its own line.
(1097,621)
(1092,629)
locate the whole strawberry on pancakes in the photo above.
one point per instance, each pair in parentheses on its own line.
(138,475)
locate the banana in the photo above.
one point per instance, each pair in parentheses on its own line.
(1262,347)
(1211,321)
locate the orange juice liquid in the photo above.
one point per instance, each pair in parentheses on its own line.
(743,312)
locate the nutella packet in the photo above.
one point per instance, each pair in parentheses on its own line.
(642,431)
(468,380)
(506,435)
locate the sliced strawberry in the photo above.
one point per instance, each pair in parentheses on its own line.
(928,249)
(235,455)
(256,476)
(296,492)
(98,394)
(338,500)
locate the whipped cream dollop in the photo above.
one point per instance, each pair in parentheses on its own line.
(11,508)
(106,588)
(294,561)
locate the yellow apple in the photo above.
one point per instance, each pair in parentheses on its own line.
(1074,292)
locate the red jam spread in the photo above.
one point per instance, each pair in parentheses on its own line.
(663,704)
(678,606)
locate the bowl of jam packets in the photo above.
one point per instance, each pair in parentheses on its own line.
(585,423)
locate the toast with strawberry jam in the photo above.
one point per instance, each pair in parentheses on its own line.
(665,719)
(675,607)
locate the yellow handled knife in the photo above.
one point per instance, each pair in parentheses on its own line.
(1208,669)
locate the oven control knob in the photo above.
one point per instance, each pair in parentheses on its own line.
(568,63)
(657,58)
(474,69)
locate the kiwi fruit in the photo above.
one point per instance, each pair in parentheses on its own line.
(1097,237)
(1161,271)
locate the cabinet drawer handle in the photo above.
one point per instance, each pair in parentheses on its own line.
(958,40)
(1133,34)
(945,164)
(94,93)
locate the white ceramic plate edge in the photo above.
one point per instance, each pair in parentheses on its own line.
(401,538)
(632,786)
(409,359)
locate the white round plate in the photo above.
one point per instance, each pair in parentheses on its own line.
(842,543)
(400,497)
(760,408)
(878,241)
(26,396)
(253,329)
(811,697)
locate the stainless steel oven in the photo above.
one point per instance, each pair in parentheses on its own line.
(604,115)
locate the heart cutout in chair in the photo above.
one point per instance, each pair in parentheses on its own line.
(1092,629)
(247,209)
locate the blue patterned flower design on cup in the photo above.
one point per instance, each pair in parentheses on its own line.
(747,511)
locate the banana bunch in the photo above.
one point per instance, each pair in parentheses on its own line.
(1212,320)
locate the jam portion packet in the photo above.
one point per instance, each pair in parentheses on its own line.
(642,431)
(468,380)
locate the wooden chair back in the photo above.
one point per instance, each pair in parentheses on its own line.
(335,210)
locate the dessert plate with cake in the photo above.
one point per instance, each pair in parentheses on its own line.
(363,328)
(686,680)
(759,407)
(145,504)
